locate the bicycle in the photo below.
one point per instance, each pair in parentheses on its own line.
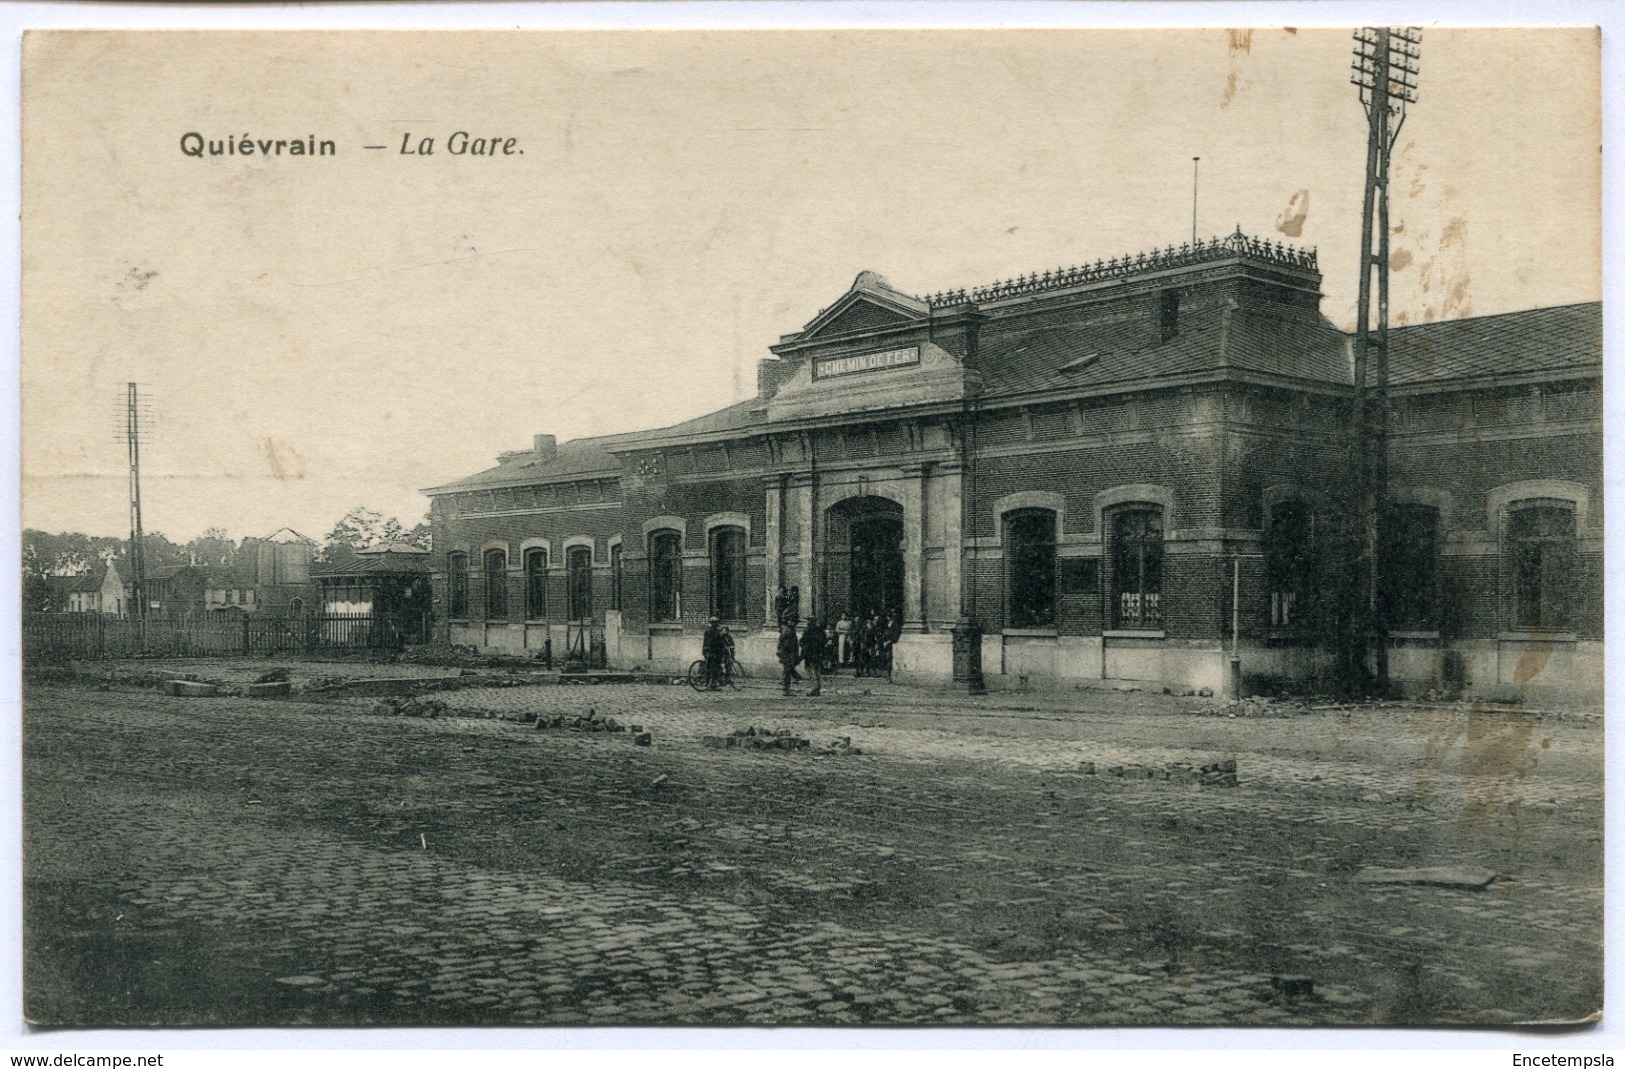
(732,674)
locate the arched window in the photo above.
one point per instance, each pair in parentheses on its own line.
(1029,551)
(578,566)
(615,576)
(1137,567)
(496,584)
(728,573)
(1540,539)
(1290,562)
(457,585)
(1410,568)
(535,584)
(665,576)
(296,607)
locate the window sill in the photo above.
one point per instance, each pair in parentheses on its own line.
(1414,635)
(666,625)
(1134,632)
(1532,635)
(1030,632)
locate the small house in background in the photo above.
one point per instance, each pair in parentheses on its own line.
(387,584)
(195,589)
(270,575)
(102,590)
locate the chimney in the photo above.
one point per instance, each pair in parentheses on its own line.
(545,446)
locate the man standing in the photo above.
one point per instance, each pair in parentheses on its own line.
(894,631)
(788,654)
(812,653)
(859,639)
(714,650)
(730,655)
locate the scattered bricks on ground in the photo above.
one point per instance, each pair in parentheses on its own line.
(514,854)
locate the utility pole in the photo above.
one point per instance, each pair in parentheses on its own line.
(1196,175)
(1385,70)
(136,420)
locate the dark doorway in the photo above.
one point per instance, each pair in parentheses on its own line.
(877,566)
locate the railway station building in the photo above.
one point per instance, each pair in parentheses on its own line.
(1118,473)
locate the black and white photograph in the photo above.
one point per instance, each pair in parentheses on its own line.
(812,528)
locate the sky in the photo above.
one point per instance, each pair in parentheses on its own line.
(316,334)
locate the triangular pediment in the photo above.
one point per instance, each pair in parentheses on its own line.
(862,314)
(871,304)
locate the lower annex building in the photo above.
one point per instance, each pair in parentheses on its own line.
(1074,462)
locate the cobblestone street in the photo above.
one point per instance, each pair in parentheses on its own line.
(235,861)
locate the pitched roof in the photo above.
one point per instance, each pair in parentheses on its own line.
(1017,359)
(1565,338)
(581,458)
(214,576)
(288,534)
(85,582)
(589,457)
(735,417)
(389,562)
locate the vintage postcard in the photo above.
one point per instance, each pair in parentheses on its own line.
(834,528)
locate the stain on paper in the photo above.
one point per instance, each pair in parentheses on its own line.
(1290,221)
(286,462)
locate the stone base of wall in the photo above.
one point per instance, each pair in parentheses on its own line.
(926,658)
(1067,662)
(523,640)
(1531,670)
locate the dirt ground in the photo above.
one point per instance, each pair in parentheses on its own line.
(929,858)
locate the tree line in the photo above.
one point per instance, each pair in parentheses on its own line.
(46,555)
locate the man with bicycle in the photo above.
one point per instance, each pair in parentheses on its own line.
(715,650)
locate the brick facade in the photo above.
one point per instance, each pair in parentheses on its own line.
(1196,394)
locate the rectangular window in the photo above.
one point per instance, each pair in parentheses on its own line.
(457,586)
(579,575)
(535,584)
(1029,548)
(1289,563)
(728,573)
(615,576)
(496,585)
(1137,568)
(665,576)
(1541,541)
(1409,554)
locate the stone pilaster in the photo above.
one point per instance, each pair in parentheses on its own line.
(913,488)
(775,550)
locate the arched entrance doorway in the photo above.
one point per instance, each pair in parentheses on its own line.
(864,557)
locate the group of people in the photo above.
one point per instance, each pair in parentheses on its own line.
(717,647)
(863,642)
(866,643)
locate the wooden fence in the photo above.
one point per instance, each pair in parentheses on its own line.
(56,637)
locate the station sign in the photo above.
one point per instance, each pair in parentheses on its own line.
(831,366)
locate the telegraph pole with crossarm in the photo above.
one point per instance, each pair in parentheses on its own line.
(1385,71)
